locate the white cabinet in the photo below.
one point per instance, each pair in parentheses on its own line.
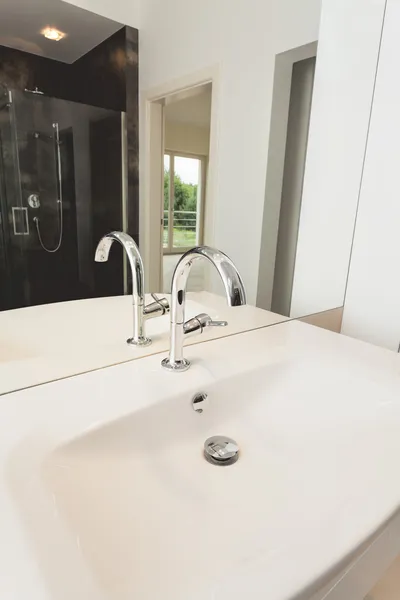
(372,303)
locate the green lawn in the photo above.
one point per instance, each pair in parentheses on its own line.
(183,238)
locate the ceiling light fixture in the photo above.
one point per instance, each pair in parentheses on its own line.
(53,34)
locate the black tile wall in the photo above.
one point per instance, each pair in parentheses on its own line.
(106,77)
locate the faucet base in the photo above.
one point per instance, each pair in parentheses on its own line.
(142,341)
(178,366)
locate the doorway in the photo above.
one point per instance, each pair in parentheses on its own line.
(186,152)
(178,183)
(290,118)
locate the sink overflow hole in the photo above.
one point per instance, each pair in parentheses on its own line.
(199,402)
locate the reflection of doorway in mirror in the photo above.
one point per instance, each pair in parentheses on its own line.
(186,150)
(291,111)
(292,184)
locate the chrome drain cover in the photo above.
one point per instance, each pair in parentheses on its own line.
(221,450)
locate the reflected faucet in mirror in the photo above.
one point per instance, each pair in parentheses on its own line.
(141,313)
(235,295)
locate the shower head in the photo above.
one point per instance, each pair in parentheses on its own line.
(34,91)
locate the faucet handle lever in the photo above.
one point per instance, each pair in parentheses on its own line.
(159,307)
(200,322)
(217,323)
(162,301)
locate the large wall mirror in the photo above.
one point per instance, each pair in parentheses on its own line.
(238,172)
(246,157)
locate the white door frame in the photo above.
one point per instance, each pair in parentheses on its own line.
(152,174)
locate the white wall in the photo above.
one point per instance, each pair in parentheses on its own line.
(372,305)
(240,39)
(346,67)
(183,137)
(123,11)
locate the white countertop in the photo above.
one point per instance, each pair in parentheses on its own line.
(48,342)
(324,411)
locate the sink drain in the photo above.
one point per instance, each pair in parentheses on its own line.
(220,450)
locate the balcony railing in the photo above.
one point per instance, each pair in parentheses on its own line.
(184,233)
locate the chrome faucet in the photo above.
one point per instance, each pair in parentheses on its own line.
(235,294)
(141,312)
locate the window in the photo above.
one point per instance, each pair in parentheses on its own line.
(183,201)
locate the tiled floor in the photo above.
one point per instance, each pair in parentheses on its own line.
(388,588)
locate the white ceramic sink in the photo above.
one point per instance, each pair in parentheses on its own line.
(106,493)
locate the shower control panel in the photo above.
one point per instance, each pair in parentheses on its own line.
(20,220)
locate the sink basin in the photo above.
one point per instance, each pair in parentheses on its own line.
(142,500)
(113,498)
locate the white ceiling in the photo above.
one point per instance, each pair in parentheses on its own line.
(124,11)
(22,20)
(194,109)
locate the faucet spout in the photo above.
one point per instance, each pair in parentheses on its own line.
(135,261)
(234,290)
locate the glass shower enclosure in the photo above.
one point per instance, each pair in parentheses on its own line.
(61,189)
